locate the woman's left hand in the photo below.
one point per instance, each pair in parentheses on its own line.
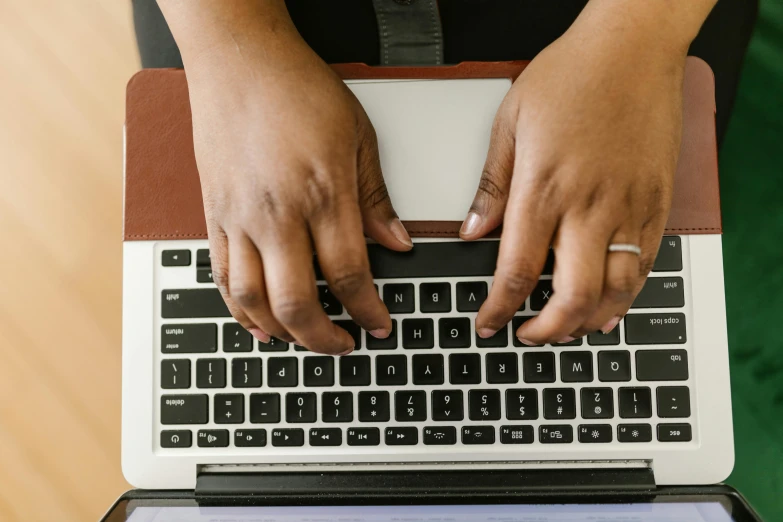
(583,153)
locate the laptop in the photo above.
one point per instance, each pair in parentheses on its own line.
(433,423)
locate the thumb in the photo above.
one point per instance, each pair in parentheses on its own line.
(489,204)
(379,219)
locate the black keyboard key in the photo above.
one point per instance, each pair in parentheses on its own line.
(447,405)
(301,407)
(674,433)
(601,339)
(439,435)
(274,345)
(516,435)
(391,370)
(282,372)
(614,366)
(655,328)
(401,436)
(576,366)
(353,329)
(337,407)
(538,366)
(175,374)
(229,408)
(471,295)
(176,439)
(575,342)
(499,340)
(175,258)
(464,368)
(634,433)
(595,433)
(390,343)
(661,292)
(212,438)
(559,403)
(478,435)
(410,406)
(673,401)
(236,338)
(399,298)
(202,257)
(287,437)
(204,275)
(196,303)
(556,434)
(328,301)
(184,409)
(374,406)
(541,295)
(484,405)
(211,373)
(188,338)
(364,436)
(597,403)
(454,332)
(502,368)
(246,373)
(662,365)
(326,437)
(265,408)
(418,333)
(440,259)
(669,257)
(516,323)
(355,370)
(634,402)
(253,438)
(434,297)
(522,404)
(318,371)
(428,369)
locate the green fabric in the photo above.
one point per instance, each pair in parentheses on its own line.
(751,165)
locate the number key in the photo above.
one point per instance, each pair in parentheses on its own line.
(484,405)
(522,404)
(374,406)
(300,407)
(410,406)
(337,407)
(447,405)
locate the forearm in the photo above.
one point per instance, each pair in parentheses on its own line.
(668,25)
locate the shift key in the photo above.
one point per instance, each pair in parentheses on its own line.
(184,409)
(655,328)
(197,303)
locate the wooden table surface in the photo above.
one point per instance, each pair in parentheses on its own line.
(63,69)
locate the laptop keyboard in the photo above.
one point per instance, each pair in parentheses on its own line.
(433,382)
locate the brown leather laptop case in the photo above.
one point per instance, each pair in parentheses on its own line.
(163,194)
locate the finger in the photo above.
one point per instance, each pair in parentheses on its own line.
(380,221)
(580,253)
(247,287)
(524,246)
(621,280)
(290,284)
(218,254)
(342,255)
(489,205)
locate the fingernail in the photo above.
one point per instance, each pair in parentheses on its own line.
(398,229)
(485,333)
(380,333)
(259,334)
(566,339)
(471,225)
(610,325)
(526,342)
(346,352)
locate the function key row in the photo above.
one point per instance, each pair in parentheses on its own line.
(430,436)
(441,259)
(427,369)
(413,406)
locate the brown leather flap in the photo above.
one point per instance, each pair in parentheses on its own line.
(163,193)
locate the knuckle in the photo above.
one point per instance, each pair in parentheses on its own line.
(220,277)
(489,186)
(349,280)
(622,286)
(320,195)
(519,281)
(578,301)
(646,264)
(291,309)
(246,296)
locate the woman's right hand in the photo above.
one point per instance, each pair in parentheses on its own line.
(289,165)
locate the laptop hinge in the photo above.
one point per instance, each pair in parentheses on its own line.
(277,481)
